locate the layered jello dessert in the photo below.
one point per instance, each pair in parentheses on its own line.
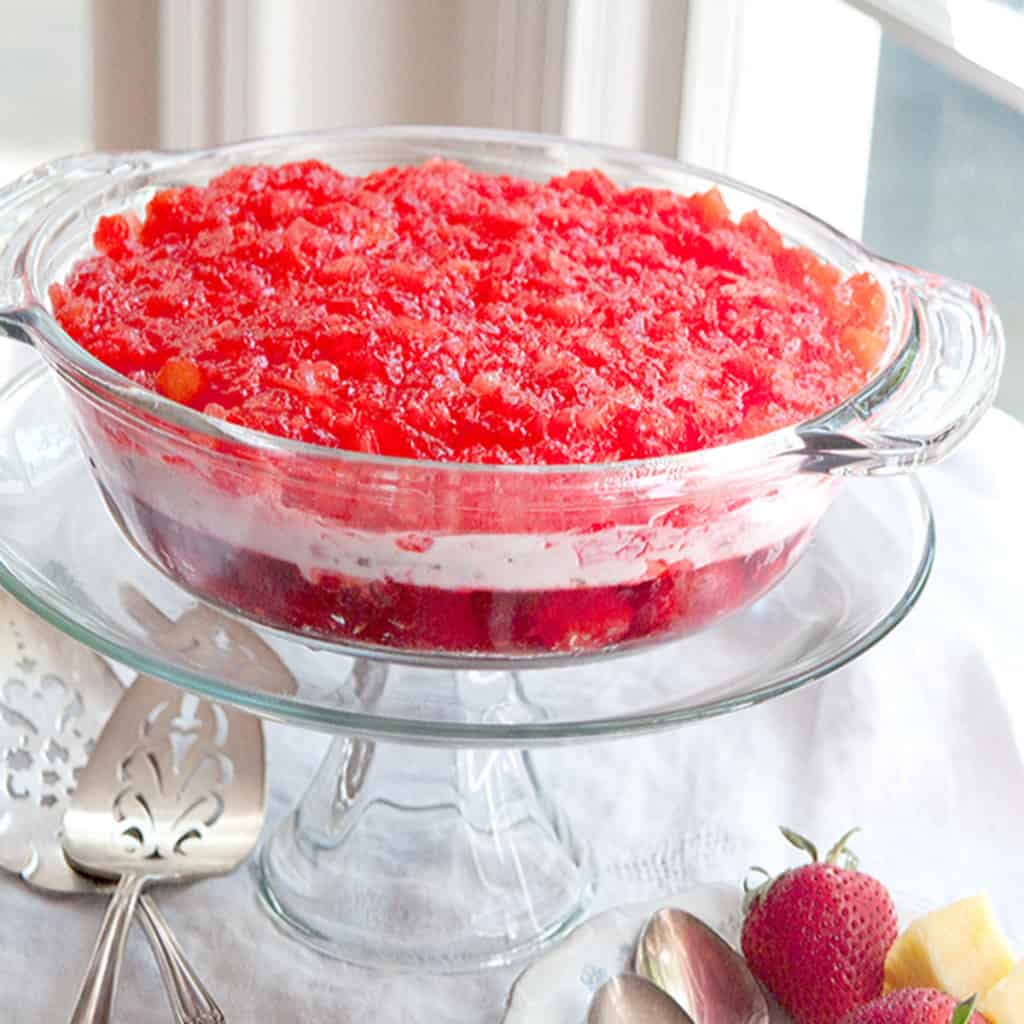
(464,412)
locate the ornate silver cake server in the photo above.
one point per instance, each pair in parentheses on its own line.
(174,791)
(55,696)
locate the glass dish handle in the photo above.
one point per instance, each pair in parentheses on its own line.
(929,399)
(24,198)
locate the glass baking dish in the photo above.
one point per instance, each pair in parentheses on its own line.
(430,561)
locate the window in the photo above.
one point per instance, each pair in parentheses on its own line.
(897,120)
(45,82)
(944,189)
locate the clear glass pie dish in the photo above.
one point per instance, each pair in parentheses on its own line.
(432,562)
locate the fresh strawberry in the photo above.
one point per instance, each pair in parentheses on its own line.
(817,935)
(916,1006)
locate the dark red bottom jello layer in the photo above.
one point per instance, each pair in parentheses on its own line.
(387,613)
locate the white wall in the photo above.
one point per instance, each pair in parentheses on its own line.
(45,81)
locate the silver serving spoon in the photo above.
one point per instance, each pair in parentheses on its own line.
(692,963)
(174,791)
(55,696)
(629,999)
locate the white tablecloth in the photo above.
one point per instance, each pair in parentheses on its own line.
(921,741)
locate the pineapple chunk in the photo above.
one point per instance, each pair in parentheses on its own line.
(1004,1002)
(959,950)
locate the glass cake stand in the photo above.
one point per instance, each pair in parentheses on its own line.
(426,839)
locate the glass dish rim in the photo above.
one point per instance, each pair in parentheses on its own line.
(155,413)
(340,720)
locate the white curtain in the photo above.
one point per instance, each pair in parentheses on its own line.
(777,92)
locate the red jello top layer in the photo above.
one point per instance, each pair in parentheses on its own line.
(438,313)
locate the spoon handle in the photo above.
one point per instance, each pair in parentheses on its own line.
(189,999)
(95,1002)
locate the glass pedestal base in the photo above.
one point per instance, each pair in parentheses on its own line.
(426,858)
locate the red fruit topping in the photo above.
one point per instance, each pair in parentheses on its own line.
(180,380)
(914,1006)
(817,937)
(435,312)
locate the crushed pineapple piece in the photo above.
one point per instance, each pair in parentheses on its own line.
(1004,1002)
(959,949)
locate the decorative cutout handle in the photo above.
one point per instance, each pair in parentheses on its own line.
(25,197)
(21,200)
(931,397)
(190,1002)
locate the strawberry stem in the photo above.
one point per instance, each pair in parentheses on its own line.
(838,856)
(841,856)
(753,892)
(800,842)
(748,886)
(962,1014)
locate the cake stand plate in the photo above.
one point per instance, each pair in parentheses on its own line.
(438,849)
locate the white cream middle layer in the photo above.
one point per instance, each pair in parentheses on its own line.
(490,561)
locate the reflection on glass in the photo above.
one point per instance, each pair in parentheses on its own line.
(944,187)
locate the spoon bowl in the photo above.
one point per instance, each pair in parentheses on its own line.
(694,965)
(629,999)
